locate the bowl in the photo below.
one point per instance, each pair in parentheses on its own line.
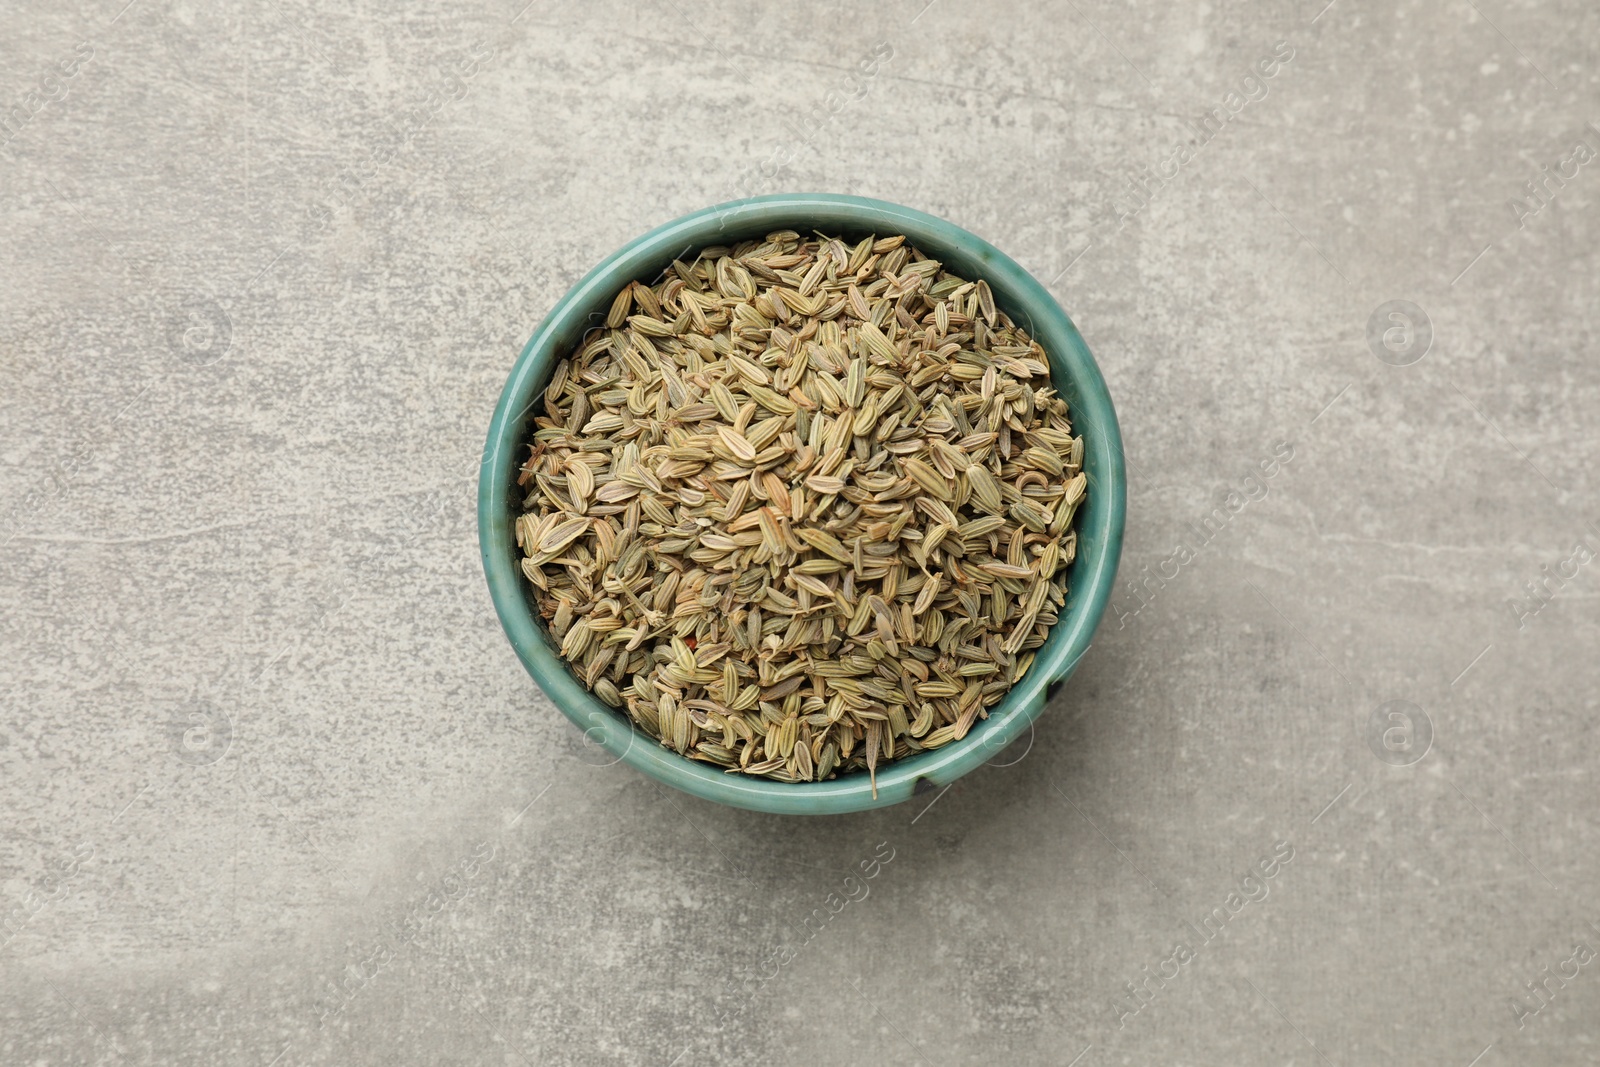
(1099,520)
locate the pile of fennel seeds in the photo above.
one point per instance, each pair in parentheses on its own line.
(802,507)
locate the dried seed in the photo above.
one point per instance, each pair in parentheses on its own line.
(563,535)
(619,308)
(928,478)
(737,443)
(986,302)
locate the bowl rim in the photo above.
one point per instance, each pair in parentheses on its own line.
(1099,522)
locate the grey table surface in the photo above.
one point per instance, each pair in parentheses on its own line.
(276,791)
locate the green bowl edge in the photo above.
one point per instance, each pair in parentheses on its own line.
(1099,522)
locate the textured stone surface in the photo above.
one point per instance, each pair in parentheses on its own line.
(267,266)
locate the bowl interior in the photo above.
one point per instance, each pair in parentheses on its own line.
(1018,294)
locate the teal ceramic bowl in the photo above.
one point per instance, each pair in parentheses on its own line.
(1099,521)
